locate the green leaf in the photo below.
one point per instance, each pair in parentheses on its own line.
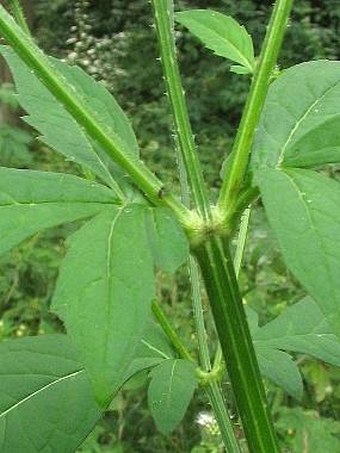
(167,239)
(301,328)
(303,210)
(46,401)
(170,391)
(102,104)
(31,201)
(279,367)
(299,126)
(154,343)
(287,332)
(221,34)
(104,293)
(57,127)
(152,349)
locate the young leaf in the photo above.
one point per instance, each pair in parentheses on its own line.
(170,391)
(57,127)
(299,126)
(313,336)
(46,401)
(103,294)
(303,210)
(167,240)
(221,34)
(31,201)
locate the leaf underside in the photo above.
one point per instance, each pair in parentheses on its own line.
(56,126)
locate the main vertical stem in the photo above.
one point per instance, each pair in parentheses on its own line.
(226,303)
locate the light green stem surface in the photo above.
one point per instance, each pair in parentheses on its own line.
(19,16)
(170,332)
(163,12)
(242,146)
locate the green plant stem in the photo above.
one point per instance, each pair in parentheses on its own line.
(212,388)
(240,247)
(170,332)
(226,303)
(222,417)
(198,312)
(241,241)
(163,13)
(241,150)
(24,47)
(19,16)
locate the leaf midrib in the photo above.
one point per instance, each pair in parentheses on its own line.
(298,123)
(37,392)
(61,202)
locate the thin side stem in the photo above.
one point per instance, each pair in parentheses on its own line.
(170,332)
(255,101)
(203,350)
(34,58)
(230,319)
(19,15)
(241,241)
(163,13)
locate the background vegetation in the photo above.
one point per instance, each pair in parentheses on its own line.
(114,41)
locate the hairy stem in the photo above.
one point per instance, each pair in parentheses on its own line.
(242,146)
(19,15)
(34,58)
(163,12)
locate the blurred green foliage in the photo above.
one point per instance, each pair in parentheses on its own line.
(114,41)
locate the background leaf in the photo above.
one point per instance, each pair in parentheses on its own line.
(303,211)
(103,294)
(299,126)
(221,34)
(46,401)
(31,201)
(287,332)
(305,431)
(313,336)
(280,368)
(170,391)
(167,240)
